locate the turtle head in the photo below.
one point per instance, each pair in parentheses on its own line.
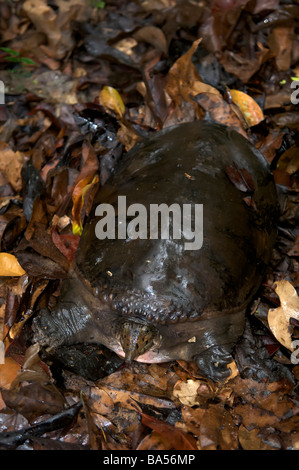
(136,338)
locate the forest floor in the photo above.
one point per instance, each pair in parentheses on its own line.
(84,81)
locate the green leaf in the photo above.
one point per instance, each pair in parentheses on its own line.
(26,60)
(13,59)
(9,51)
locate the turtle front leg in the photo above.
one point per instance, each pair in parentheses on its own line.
(213,363)
(60,326)
(66,322)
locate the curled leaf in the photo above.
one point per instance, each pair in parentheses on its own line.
(248,106)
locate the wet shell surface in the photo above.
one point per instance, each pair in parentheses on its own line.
(152,299)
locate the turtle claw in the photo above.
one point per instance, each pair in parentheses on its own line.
(213,363)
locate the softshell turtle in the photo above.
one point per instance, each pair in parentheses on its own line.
(154,299)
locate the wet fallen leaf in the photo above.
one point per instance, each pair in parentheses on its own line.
(41,241)
(67,244)
(217,429)
(279,318)
(100,402)
(240,178)
(33,392)
(128,399)
(220,111)
(251,111)
(176,438)
(255,416)
(244,67)
(270,145)
(9,265)
(192,417)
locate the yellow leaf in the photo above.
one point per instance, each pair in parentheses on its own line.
(8,372)
(9,265)
(279,318)
(111,99)
(78,199)
(248,106)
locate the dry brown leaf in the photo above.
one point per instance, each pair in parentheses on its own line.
(127,136)
(11,164)
(192,418)
(152,35)
(186,392)
(128,399)
(244,68)
(279,318)
(250,440)
(176,438)
(280,43)
(56,26)
(100,402)
(44,19)
(217,429)
(220,111)
(255,416)
(184,81)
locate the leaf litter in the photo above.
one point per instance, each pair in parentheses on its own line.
(96,81)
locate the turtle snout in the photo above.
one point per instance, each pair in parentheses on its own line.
(136,338)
